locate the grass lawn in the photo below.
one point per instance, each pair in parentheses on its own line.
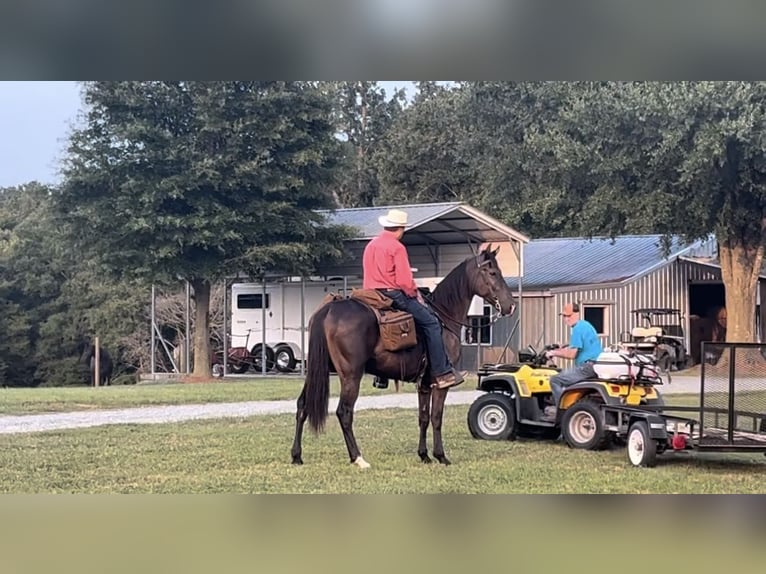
(253,456)
(62,399)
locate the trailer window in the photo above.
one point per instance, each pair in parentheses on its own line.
(252,301)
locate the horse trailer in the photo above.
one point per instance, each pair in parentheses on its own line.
(278,313)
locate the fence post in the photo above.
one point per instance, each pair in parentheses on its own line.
(97,369)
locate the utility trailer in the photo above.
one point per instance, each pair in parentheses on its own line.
(731,416)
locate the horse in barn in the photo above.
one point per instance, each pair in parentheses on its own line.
(344,336)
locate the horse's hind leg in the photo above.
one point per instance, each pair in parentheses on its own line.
(349,392)
(300,420)
(438,397)
(424,417)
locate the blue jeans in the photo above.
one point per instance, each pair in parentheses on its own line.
(568,377)
(429,326)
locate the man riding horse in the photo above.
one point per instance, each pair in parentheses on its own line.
(387,268)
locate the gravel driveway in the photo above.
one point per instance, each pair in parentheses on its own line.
(178,413)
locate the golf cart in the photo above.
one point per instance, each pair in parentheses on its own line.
(517,399)
(659,333)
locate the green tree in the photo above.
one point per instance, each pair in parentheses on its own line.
(681,158)
(424,157)
(363,114)
(51,296)
(708,176)
(194,180)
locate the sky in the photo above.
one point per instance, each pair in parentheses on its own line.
(35,120)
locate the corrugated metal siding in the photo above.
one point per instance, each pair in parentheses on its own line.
(665,287)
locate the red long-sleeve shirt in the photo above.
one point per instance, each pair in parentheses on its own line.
(387,266)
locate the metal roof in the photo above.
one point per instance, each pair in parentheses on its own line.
(561,262)
(441,223)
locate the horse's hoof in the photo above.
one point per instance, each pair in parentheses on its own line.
(444,460)
(361,463)
(425,459)
(297,460)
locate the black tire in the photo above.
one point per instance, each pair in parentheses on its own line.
(236,367)
(583,426)
(492,417)
(642,448)
(284,359)
(217,370)
(257,357)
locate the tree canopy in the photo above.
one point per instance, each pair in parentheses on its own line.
(193,180)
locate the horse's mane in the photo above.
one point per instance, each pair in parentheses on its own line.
(454,289)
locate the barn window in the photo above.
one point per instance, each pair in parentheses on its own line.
(252,301)
(597,316)
(480,328)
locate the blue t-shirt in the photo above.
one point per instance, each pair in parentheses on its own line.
(586,341)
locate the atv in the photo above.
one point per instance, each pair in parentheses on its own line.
(517,399)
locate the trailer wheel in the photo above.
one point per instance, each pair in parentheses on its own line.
(285,359)
(492,417)
(583,426)
(257,358)
(236,367)
(642,448)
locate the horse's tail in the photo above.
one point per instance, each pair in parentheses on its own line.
(317,385)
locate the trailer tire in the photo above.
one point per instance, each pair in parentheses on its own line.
(257,358)
(642,448)
(284,359)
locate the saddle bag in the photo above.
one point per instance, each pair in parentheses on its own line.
(397,328)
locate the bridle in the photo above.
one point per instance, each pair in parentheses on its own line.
(492,319)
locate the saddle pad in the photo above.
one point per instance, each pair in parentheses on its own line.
(372,298)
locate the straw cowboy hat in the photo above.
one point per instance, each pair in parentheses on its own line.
(394,218)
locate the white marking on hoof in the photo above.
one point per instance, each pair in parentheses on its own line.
(361,463)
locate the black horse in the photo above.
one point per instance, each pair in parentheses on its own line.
(344,336)
(106,366)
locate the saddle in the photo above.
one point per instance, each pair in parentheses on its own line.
(397,328)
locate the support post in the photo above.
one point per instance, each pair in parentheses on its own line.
(187,339)
(225,325)
(153,360)
(97,366)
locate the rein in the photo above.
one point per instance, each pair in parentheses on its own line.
(444,315)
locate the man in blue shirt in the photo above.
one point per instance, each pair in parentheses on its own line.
(584,347)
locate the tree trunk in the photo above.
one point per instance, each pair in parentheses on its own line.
(740,267)
(201,294)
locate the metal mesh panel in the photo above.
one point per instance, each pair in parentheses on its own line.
(733,410)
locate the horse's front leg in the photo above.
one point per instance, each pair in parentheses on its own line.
(438,396)
(424,417)
(300,420)
(345,412)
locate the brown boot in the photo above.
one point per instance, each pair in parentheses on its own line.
(450,379)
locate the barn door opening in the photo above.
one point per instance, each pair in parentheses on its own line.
(705,302)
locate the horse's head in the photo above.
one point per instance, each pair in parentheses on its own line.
(487,282)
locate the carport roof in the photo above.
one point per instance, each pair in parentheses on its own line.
(440,223)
